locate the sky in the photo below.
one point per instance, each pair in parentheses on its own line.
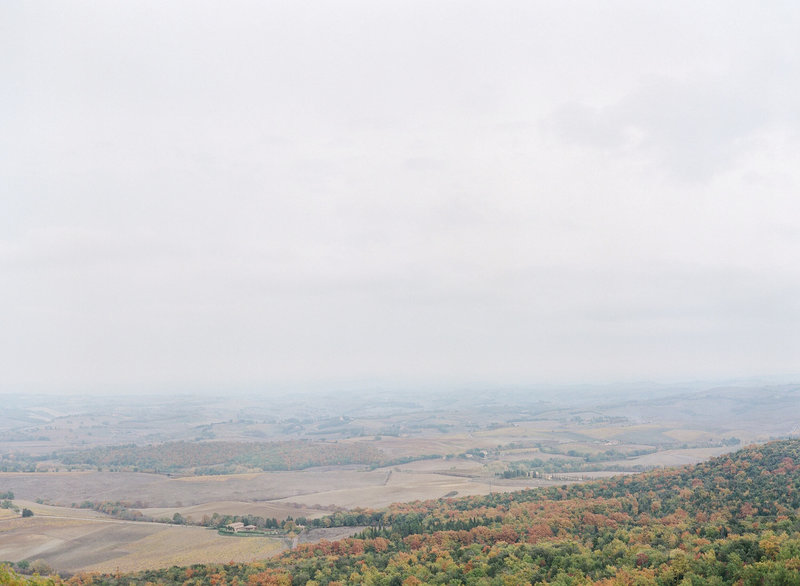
(267,195)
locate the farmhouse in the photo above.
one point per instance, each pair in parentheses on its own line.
(236,527)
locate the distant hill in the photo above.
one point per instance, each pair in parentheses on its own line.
(731,520)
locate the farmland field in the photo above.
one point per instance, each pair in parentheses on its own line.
(68,541)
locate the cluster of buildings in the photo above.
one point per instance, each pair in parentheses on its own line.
(238,527)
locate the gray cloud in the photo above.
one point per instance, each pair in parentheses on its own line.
(254,194)
(693,129)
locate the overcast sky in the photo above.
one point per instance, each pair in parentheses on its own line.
(260,194)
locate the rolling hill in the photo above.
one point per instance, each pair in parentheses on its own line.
(730,520)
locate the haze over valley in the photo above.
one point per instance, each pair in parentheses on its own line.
(399,293)
(144,477)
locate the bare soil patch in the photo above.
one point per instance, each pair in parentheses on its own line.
(156,491)
(674,457)
(409,486)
